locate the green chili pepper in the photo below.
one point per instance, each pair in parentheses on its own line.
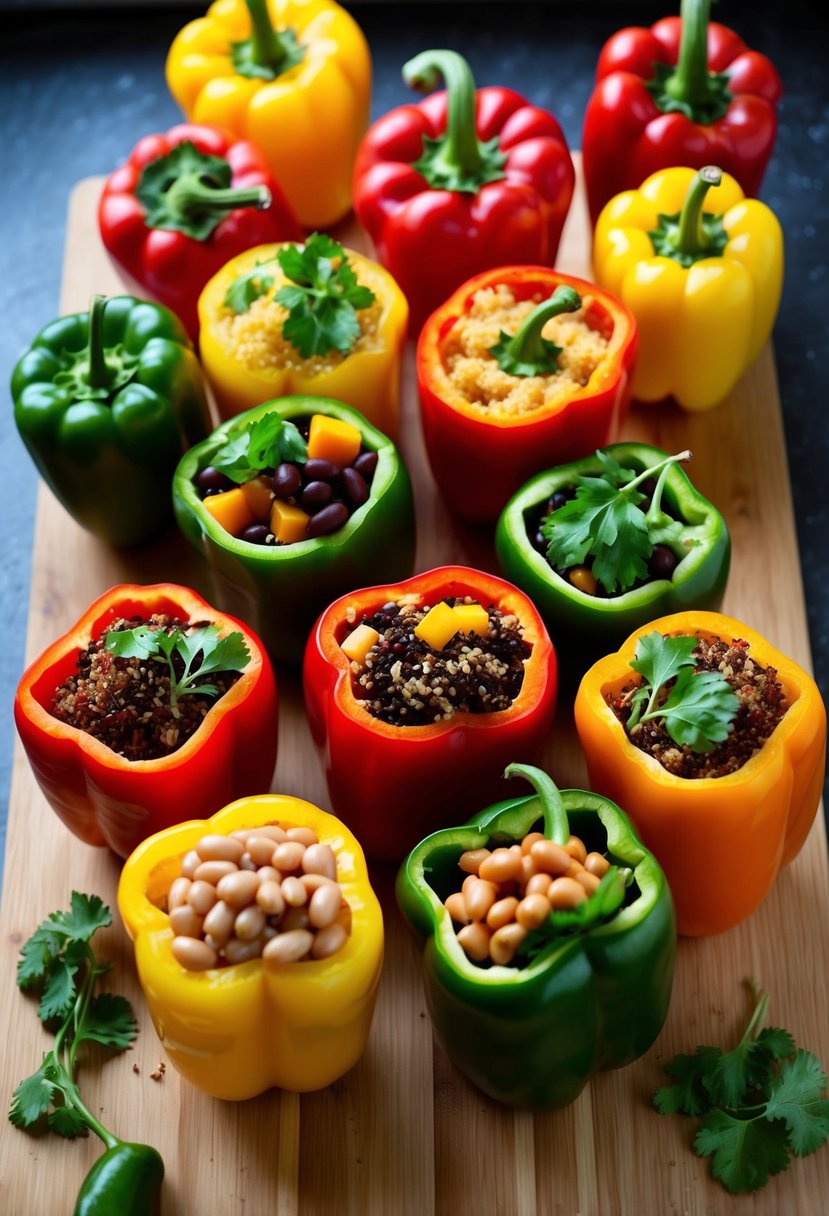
(124,1182)
(106,402)
(589,998)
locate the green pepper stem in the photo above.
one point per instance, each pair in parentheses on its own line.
(98,373)
(268,49)
(191,193)
(549,796)
(690,237)
(663,465)
(526,344)
(460,149)
(689,82)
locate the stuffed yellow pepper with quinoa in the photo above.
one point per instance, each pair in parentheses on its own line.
(312,320)
(522,368)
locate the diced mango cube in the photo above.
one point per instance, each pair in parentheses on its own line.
(474,618)
(288,523)
(334,440)
(359,642)
(438,625)
(259,495)
(230,510)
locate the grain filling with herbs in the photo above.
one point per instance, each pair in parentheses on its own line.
(410,676)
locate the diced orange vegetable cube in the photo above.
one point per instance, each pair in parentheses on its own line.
(334,440)
(359,642)
(288,523)
(439,625)
(230,510)
(259,495)
(474,618)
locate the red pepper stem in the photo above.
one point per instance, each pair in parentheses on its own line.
(191,193)
(691,238)
(555,814)
(460,147)
(525,346)
(267,47)
(689,81)
(98,373)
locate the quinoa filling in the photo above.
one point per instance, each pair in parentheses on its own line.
(762,706)
(406,682)
(125,703)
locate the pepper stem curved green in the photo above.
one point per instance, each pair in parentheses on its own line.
(690,80)
(268,52)
(691,238)
(526,353)
(549,796)
(191,194)
(98,373)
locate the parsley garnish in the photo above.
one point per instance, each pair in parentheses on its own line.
(201,652)
(761,1101)
(323,302)
(262,445)
(700,707)
(604,522)
(248,287)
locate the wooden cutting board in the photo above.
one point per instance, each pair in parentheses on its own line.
(404,1134)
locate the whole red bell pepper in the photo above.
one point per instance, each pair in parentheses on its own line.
(182,205)
(460,182)
(106,799)
(393,785)
(684,92)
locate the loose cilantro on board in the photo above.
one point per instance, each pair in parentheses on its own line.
(760,1102)
(322,298)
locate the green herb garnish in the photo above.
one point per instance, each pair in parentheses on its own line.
(604,522)
(323,302)
(201,652)
(700,707)
(264,444)
(761,1101)
(248,287)
(605,902)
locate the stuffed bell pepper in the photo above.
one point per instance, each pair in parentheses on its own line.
(106,401)
(292,76)
(258,943)
(312,319)
(547,955)
(292,504)
(522,368)
(184,203)
(684,92)
(703,285)
(416,693)
(714,743)
(152,708)
(607,543)
(463,181)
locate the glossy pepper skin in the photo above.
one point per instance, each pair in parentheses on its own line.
(281,589)
(599,621)
(394,784)
(684,92)
(125,1180)
(236,1031)
(208,211)
(460,182)
(533,1036)
(292,76)
(106,401)
(760,814)
(106,799)
(479,461)
(705,300)
(367,380)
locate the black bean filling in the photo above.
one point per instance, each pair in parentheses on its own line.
(406,682)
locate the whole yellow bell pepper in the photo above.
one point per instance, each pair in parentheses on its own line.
(367,378)
(292,76)
(704,286)
(235,1031)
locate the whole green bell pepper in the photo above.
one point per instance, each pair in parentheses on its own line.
(106,401)
(702,549)
(279,590)
(531,1036)
(123,1182)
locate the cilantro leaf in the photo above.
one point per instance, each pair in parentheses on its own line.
(322,297)
(36,955)
(86,915)
(68,1122)
(659,659)
(33,1097)
(796,1098)
(262,445)
(249,287)
(598,907)
(229,653)
(60,990)
(138,643)
(689,1092)
(744,1151)
(110,1020)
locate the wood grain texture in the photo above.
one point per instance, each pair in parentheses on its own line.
(403,1133)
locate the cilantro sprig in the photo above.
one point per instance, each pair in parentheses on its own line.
(249,287)
(603,522)
(264,444)
(604,903)
(322,298)
(201,652)
(699,708)
(760,1102)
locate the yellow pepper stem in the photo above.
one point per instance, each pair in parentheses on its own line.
(268,52)
(692,239)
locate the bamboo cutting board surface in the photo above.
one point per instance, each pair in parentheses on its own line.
(403,1133)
